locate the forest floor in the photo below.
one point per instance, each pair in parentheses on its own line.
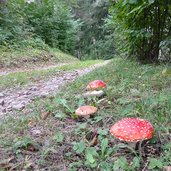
(17,98)
(46,134)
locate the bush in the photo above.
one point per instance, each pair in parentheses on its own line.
(144,24)
(37,23)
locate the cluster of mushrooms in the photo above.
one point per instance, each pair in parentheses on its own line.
(127,129)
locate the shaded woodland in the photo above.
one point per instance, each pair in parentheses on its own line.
(92,29)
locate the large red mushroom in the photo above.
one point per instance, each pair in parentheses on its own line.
(96,84)
(132,129)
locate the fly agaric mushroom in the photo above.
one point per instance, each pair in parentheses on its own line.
(132,130)
(96,84)
(85,111)
(93,93)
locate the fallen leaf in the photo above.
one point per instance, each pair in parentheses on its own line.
(30,148)
(5,164)
(45,115)
(94,141)
(28,163)
(31,122)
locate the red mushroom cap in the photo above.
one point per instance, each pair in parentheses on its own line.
(132,129)
(96,84)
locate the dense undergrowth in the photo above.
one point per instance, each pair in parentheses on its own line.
(48,136)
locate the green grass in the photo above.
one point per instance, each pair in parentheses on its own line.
(19,79)
(10,58)
(133,90)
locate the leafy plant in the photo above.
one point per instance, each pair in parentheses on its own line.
(37,24)
(140,24)
(58,137)
(63,102)
(25,143)
(79,147)
(155,164)
(95,158)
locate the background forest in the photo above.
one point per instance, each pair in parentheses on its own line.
(96,29)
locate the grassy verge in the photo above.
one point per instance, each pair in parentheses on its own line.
(19,79)
(29,57)
(61,142)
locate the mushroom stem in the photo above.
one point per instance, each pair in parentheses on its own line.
(139,149)
(133,145)
(137,146)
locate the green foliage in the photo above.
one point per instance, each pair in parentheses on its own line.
(90,29)
(79,147)
(12,24)
(58,137)
(94,41)
(63,103)
(52,21)
(24,143)
(94,157)
(144,26)
(40,22)
(155,163)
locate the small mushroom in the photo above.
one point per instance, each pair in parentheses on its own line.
(132,130)
(96,84)
(93,93)
(85,111)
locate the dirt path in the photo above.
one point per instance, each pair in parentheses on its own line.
(36,68)
(13,100)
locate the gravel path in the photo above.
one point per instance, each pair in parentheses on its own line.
(36,68)
(12,100)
